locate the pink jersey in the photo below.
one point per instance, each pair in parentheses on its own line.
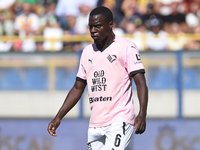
(108,74)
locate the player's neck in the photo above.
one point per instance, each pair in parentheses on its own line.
(105,43)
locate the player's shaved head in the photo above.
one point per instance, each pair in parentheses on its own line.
(104,11)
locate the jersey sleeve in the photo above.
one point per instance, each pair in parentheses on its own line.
(81,75)
(133,61)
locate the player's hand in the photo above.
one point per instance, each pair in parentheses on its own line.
(140,124)
(53,125)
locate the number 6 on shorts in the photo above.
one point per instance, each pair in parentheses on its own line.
(117,140)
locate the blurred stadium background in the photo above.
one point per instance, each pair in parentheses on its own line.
(39,57)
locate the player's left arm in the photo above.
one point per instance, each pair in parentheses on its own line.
(142,93)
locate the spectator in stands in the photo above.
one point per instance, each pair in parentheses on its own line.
(27,25)
(27,18)
(175,16)
(135,34)
(6,23)
(48,23)
(51,29)
(176,40)
(118,31)
(107,3)
(194,44)
(191,6)
(81,26)
(6,29)
(118,13)
(129,7)
(142,6)
(56,33)
(16,8)
(76,20)
(6,5)
(66,12)
(33,4)
(156,37)
(193,14)
(82,19)
(5,46)
(47,15)
(153,11)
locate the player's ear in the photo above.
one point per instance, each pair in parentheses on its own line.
(111,24)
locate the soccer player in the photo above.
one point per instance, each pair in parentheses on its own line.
(108,67)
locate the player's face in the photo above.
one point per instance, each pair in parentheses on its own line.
(99,28)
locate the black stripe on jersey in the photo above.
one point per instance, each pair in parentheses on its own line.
(124,124)
(80,79)
(137,71)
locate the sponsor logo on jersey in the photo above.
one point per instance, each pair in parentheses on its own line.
(133,46)
(111,58)
(99,81)
(90,60)
(99,99)
(138,59)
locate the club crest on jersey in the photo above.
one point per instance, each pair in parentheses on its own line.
(111,58)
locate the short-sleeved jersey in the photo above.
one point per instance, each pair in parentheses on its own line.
(108,74)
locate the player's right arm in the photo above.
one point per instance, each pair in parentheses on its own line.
(70,101)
